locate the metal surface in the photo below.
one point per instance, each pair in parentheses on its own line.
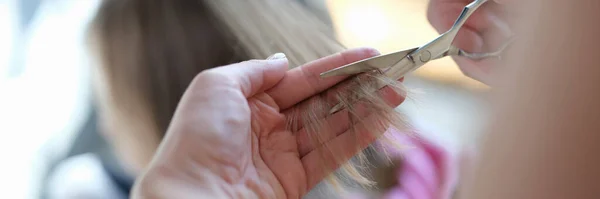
(378,62)
(398,64)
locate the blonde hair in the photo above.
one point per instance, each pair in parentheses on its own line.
(150,51)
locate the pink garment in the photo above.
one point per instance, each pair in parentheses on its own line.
(428,170)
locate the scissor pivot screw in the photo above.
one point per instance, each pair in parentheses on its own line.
(425,56)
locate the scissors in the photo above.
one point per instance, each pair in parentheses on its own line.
(397,64)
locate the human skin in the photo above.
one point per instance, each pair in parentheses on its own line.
(542,141)
(485,31)
(228,139)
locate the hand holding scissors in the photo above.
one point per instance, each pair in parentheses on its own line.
(397,64)
(487,29)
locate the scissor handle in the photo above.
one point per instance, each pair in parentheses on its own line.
(462,18)
(439,46)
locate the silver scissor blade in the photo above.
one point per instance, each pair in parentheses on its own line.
(378,62)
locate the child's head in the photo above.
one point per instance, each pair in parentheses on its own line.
(148,52)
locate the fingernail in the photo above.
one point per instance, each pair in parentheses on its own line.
(276,56)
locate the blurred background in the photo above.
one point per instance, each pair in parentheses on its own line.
(45,92)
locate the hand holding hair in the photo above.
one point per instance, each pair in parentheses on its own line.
(228,137)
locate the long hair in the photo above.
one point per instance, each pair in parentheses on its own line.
(149,51)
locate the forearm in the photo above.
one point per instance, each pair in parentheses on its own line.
(545,136)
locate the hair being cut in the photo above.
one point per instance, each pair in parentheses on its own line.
(151,50)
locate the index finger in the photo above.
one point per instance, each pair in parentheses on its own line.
(486,28)
(305,81)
